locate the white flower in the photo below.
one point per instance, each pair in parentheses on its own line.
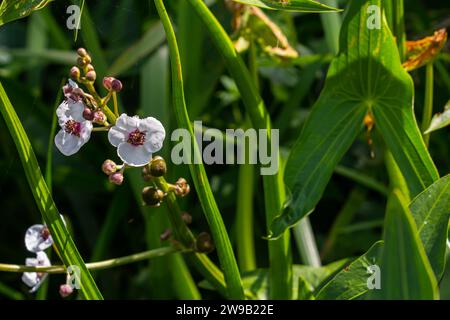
(34,279)
(136,139)
(38,238)
(75,130)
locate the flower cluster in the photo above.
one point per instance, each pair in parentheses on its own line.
(37,239)
(136,139)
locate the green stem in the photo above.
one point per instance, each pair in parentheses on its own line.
(331,23)
(198,173)
(395,16)
(101,265)
(363,179)
(182,233)
(428,105)
(279,250)
(244,218)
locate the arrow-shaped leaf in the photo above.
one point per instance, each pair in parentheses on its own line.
(290,5)
(366,78)
(431,211)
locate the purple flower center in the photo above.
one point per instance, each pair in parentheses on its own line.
(73,127)
(136,137)
(45,233)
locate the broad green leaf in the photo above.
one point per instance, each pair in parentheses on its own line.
(62,240)
(406,273)
(440,120)
(366,78)
(351,283)
(11,10)
(290,5)
(431,211)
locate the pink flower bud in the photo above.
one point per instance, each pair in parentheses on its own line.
(65,290)
(107,82)
(99,117)
(75,73)
(88,114)
(82,52)
(90,67)
(116,178)
(116,85)
(91,75)
(109,167)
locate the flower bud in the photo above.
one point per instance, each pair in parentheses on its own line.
(75,73)
(165,235)
(116,178)
(81,62)
(90,67)
(182,187)
(109,167)
(158,167)
(91,75)
(99,117)
(88,114)
(187,218)
(107,82)
(204,243)
(65,290)
(152,196)
(116,85)
(82,52)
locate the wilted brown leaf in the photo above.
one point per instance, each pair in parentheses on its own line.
(422,51)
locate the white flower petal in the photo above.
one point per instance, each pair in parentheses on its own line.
(34,242)
(75,110)
(155,133)
(30,279)
(86,129)
(61,113)
(127,123)
(135,156)
(68,144)
(117,135)
(42,259)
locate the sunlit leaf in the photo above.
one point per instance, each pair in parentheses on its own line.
(423,51)
(431,211)
(255,26)
(440,120)
(366,77)
(290,5)
(351,282)
(405,272)
(11,10)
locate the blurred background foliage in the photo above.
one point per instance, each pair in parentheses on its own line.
(126,40)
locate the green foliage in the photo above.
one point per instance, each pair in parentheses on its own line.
(290,5)
(406,271)
(366,78)
(11,10)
